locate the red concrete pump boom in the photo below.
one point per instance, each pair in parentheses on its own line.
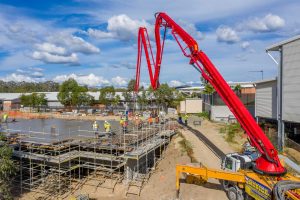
(268,162)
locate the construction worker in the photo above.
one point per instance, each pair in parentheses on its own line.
(4,118)
(180,119)
(185,118)
(150,120)
(107,126)
(123,123)
(96,129)
(138,121)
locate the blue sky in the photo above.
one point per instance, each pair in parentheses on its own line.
(94,41)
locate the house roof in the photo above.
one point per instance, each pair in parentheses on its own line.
(50,96)
(277,46)
(9,96)
(266,81)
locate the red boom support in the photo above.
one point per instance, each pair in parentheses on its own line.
(268,162)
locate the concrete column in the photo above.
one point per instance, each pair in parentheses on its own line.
(280,122)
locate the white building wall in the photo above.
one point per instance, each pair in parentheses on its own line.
(191,106)
(54,104)
(291,82)
(220,113)
(266,99)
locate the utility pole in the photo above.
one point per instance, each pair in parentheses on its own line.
(260,71)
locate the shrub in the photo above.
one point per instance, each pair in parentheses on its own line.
(231,130)
(204,115)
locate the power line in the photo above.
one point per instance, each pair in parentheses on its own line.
(261,71)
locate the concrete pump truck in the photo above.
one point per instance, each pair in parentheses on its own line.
(242,176)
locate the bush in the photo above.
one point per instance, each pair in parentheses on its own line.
(188,148)
(204,115)
(231,130)
(7,169)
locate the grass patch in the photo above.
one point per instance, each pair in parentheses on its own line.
(204,115)
(231,131)
(292,154)
(186,146)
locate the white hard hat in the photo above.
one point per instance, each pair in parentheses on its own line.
(105,121)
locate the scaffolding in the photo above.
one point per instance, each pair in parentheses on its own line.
(55,165)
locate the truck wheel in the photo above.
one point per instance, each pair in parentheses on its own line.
(225,185)
(232,193)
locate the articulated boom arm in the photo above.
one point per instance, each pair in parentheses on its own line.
(268,162)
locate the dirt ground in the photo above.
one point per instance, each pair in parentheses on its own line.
(212,131)
(161,184)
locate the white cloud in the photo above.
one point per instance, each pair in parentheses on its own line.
(27,74)
(191,29)
(175,83)
(119,81)
(120,27)
(20,77)
(51,48)
(52,58)
(73,43)
(124,27)
(245,45)
(98,34)
(266,24)
(38,69)
(37,74)
(128,65)
(227,35)
(32,72)
(90,80)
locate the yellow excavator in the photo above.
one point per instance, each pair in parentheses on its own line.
(257,174)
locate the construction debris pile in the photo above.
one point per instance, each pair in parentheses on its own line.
(56,166)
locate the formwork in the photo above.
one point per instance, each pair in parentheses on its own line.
(56,166)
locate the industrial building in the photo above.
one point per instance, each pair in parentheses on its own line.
(266,99)
(219,111)
(278,99)
(11,101)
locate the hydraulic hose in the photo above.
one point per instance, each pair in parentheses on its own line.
(280,189)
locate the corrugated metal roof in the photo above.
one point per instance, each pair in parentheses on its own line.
(50,96)
(266,81)
(277,46)
(9,96)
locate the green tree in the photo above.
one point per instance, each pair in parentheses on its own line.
(70,93)
(128,94)
(84,99)
(178,96)
(7,170)
(142,98)
(107,95)
(237,89)
(22,87)
(25,100)
(131,85)
(34,100)
(164,95)
(116,100)
(208,89)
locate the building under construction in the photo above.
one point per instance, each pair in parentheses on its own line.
(52,165)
